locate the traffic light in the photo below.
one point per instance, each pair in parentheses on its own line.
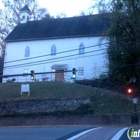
(130,91)
(132,87)
(32,74)
(74,73)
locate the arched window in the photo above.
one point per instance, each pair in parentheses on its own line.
(27,52)
(53,50)
(81,48)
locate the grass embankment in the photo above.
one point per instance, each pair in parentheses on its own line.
(103,101)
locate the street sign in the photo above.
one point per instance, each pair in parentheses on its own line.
(25,90)
(135,100)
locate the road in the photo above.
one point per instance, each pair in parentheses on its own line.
(40,132)
(63,133)
(102,133)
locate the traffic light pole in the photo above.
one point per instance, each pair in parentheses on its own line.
(26,74)
(135,116)
(135,47)
(132,90)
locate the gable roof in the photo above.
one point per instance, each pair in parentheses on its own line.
(25,8)
(92,25)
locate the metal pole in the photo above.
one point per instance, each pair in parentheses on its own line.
(135,116)
(26,74)
(134,78)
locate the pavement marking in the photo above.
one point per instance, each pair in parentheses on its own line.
(80,134)
(111,134)
(119,134)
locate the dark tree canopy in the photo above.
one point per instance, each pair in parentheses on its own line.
(123,33)
(10,15)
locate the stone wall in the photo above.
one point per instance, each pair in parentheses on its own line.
(68,120)
(46,105)
(39,105)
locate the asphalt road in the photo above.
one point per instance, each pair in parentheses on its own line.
(40,133)
(102,133)
(63,133)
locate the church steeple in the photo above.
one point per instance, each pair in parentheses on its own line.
(25,14)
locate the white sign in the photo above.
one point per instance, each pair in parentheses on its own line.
(135,100)
(25,89)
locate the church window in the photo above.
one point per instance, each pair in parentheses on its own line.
(27,52)
(53,50)
(81,48)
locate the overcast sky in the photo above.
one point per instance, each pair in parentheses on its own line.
(69,7)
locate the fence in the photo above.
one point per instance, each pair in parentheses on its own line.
(39,78)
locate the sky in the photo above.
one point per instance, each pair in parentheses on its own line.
(69,7)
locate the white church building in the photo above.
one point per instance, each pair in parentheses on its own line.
(52,47)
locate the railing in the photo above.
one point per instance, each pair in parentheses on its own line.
(39,78)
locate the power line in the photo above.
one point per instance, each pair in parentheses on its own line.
(40,62)
(44,61)
(60,52)
(55,60)
(56,53)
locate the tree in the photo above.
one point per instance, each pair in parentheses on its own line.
(10,17)
(11,12)
(2,59)
(61,15)
(124,31)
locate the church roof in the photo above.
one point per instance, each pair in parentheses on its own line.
(82,26)
(26,8)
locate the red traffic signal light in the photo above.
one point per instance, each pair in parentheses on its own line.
(132,87)
(130,90)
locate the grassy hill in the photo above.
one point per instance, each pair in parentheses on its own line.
(53,90)
(103,101)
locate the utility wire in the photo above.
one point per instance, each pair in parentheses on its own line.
(55,60)
(40,62)
(60,52)
(56,53)
(44,61)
